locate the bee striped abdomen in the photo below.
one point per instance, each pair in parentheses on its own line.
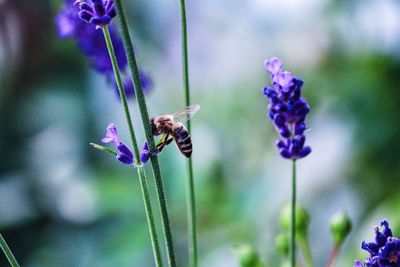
(182,139)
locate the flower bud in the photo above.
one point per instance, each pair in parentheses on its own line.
(282,243)
(247,255)
(340,227)
(302,219)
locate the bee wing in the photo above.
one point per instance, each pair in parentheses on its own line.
(186,113)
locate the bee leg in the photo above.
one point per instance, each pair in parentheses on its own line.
(169,141)
(161,146)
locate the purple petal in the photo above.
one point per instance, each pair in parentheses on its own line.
(112,12)
(124,159)
(105,19)
(299,128)
(285,153)
(107,4)
(279,120)
(285,79)
(96,21)
(273,65)
(372,248)
(86,16)
(145,153)
(386,229)
(86,6)
(111,135)
(125,154)
(99,8)
(284,131)
(280,144)
(304,152)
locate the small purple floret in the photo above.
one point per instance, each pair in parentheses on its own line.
(145,153)
(273,65)
(111,135)
(124,153)
(99,13)
(384,251)
(287,109)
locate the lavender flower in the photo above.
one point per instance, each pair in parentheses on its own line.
(124,153)
(92,44)
(287,109)
(145,153)
(384,251)
(99,13)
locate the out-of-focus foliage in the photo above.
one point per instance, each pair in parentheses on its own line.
(64,204)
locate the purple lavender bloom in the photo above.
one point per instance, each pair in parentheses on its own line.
(99,13)
(145,153)
(124,153)
(111,135)
(287,109)
(93,46)
(384,251)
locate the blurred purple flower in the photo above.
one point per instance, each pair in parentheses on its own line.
(91,42)
(130,87)
(384,251)
(124,153)
(99,13)
(287,109)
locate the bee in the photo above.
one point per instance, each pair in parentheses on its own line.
(171,125)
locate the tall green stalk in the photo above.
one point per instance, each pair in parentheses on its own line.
(7,251)
(293,220)
(139,167)
(190,193)
(141,101)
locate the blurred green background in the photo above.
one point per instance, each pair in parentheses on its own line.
(64,204)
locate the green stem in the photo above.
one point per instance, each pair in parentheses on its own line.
(140,170)
(126,38)
(7,251)
(191,214)
(305,247)
(293,220)
(149,215)
(121,90)
(190,193)
(105,149)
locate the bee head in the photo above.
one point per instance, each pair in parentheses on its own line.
(153,126)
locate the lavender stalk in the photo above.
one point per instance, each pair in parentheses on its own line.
(140,169)
(190,193)
(141,101)
(293,218)
(7,251)
(288,110)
